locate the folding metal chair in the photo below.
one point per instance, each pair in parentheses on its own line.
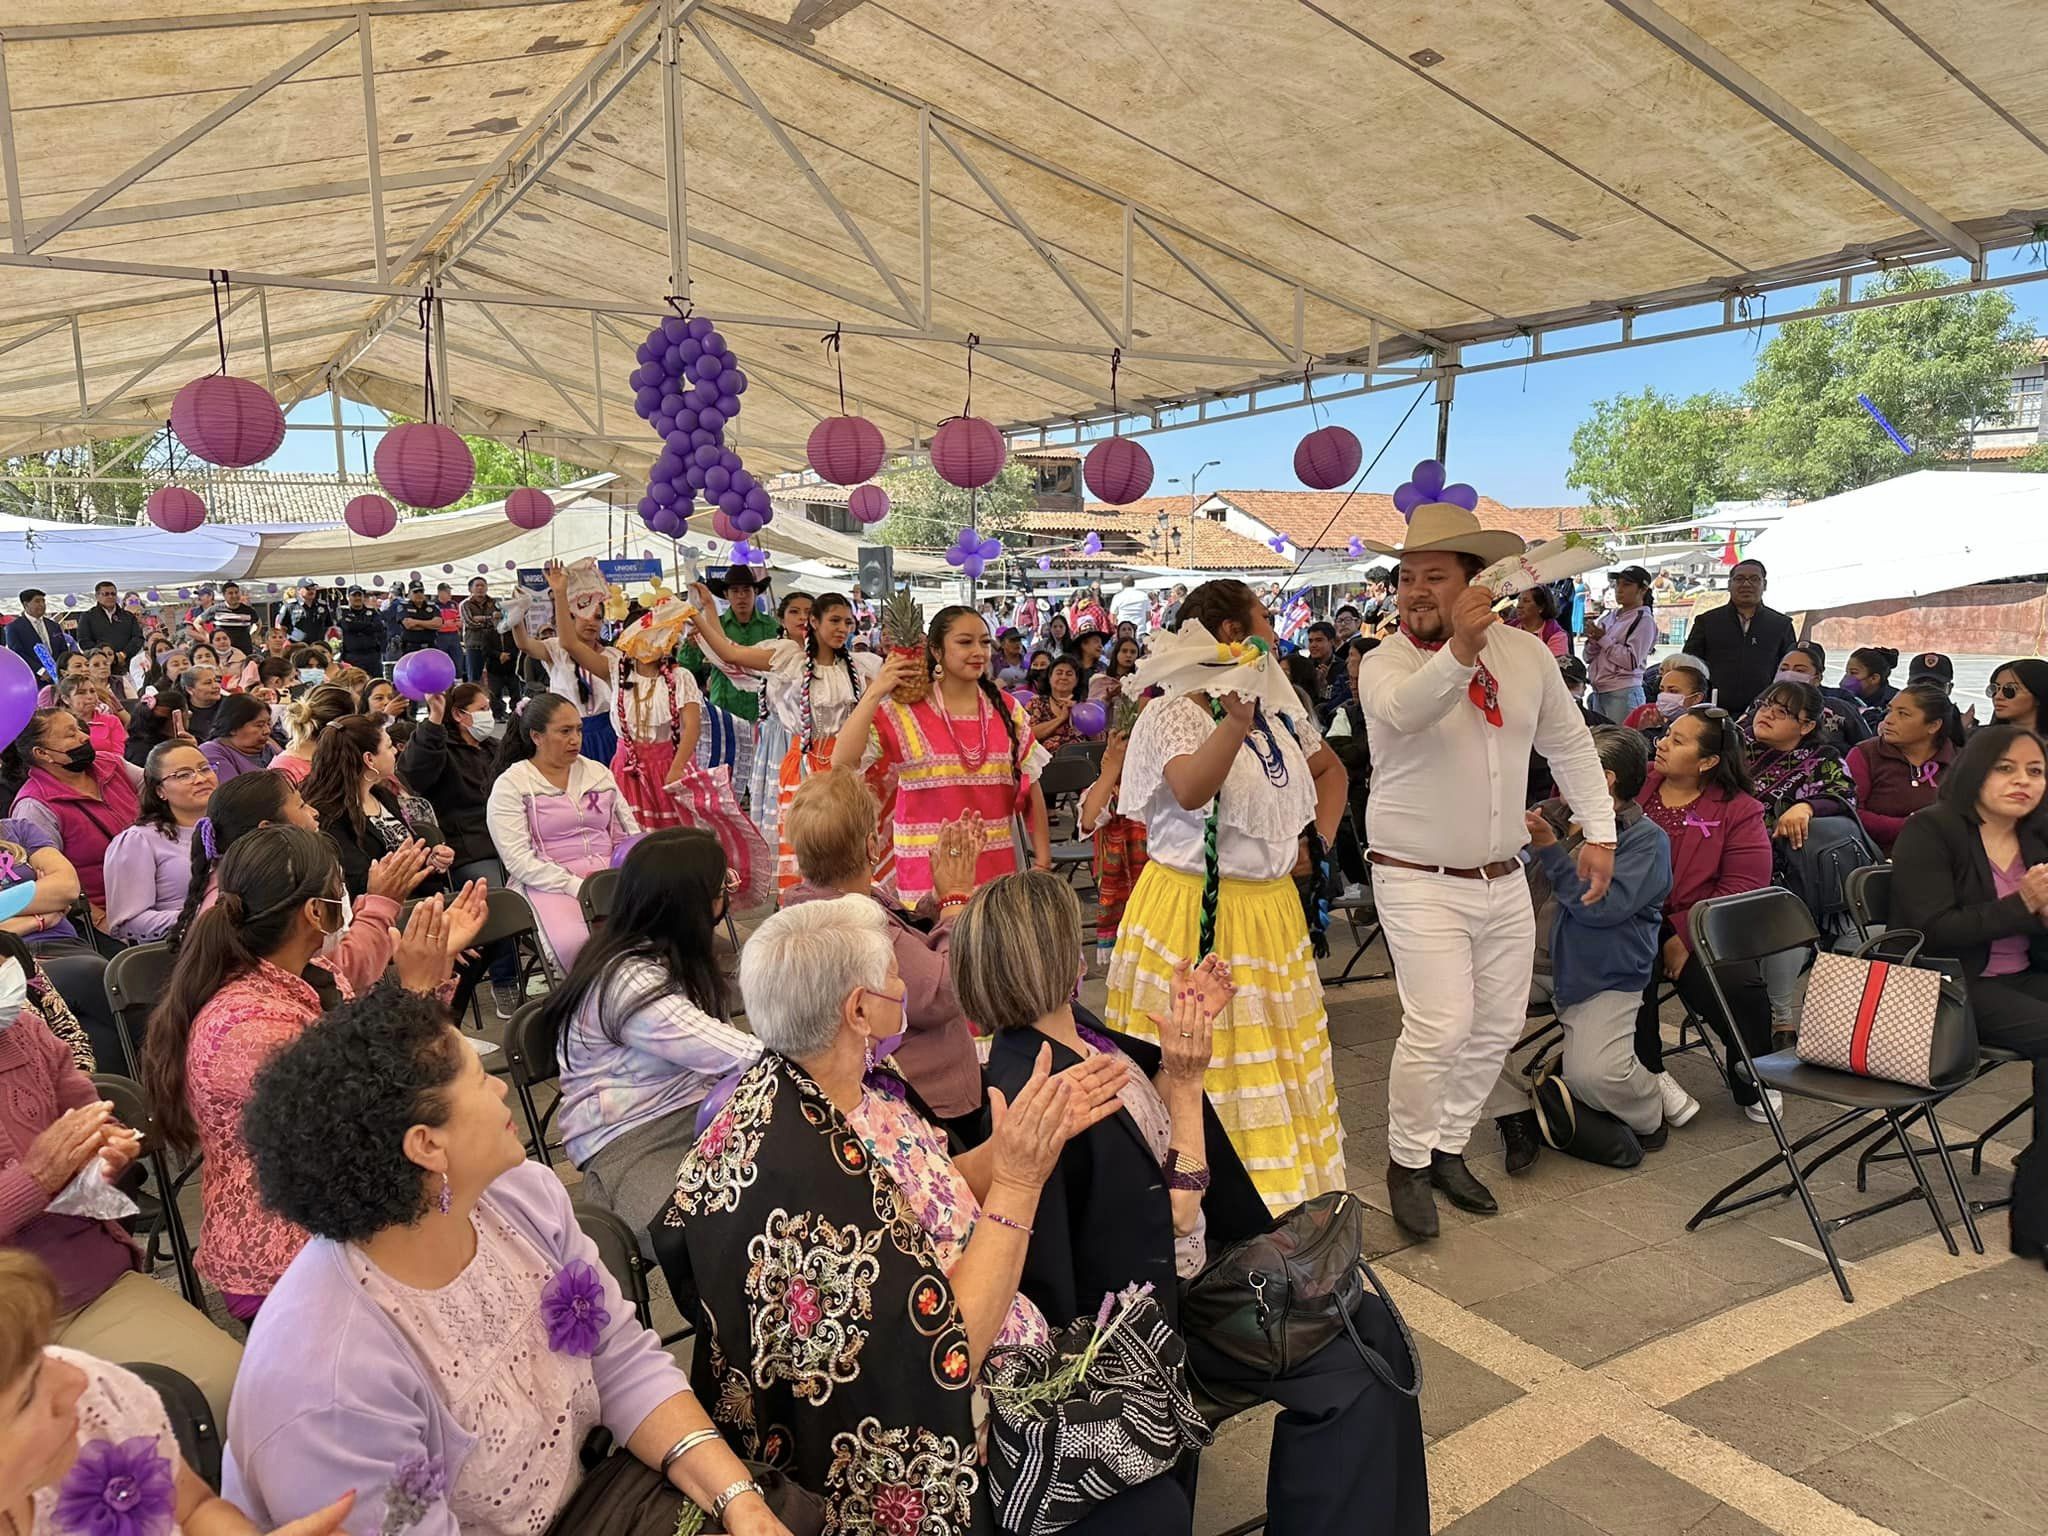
(1067,777)
(1772,921)
(134,979)
(1869,893)
(599,892)
(619,1248)
(159,1211)
(531,1059)
(191,1419)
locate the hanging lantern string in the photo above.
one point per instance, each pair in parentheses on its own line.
(1308,388)
(219,282)
(973,341)
(170,451)
(1116,361)
(831,343)
(1375,464)
(525,469)
(427,303)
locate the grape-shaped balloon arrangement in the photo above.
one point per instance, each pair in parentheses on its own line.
(688,388)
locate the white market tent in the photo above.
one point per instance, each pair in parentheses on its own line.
(1910,536)
(1232,195)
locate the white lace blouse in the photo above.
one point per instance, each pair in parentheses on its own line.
(832,695)
(1267,800)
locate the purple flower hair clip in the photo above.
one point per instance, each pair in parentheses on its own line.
(127,1489)
(207,843)
(421,1483)
(573,1308)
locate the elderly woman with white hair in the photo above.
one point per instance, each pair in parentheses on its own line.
(849,1276)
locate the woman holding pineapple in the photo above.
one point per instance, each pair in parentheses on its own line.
(956,744)
(812,687)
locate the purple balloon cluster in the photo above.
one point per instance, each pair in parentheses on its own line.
(971,552)
(1425,484)
(688,388)
(1356,548)
(1092,545)
(744,553)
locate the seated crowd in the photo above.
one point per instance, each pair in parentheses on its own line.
(900,1155)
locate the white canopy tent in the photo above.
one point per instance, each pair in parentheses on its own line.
(1926,532)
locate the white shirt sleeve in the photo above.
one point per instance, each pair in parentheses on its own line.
(1566,743)
(1416,699)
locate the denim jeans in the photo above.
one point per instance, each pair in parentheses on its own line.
(1616,703)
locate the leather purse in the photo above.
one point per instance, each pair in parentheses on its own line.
(1887,1018)
(1274,1300)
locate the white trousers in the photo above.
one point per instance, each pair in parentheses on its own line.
(1464,951)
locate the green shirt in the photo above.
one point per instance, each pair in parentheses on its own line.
(740,700)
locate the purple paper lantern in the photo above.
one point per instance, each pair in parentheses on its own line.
(529,508)
(227,421)
(425,464)
(846,449)
(1326,458)
(175,509)
(868,504)
(370,517)
(968,451)
(1118,471)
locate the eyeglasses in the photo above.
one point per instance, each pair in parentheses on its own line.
(186,775)
(2003,691)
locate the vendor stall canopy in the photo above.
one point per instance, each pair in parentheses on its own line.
(1233,195)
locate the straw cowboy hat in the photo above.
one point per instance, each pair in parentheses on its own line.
(1441,526)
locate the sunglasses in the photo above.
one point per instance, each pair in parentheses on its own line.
(2003,691)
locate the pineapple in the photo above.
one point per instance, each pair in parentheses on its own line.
(903,635)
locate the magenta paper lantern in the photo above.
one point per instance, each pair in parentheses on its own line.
(227,421)
(725,528)
(868,504)
(425,464)
(1326,458)
(1117,471)
(370,517)
(968,452)
(175,509)
(529,508)
(846,449)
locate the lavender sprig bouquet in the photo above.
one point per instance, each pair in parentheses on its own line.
(1066,1379)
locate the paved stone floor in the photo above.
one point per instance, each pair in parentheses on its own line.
(1591,1367)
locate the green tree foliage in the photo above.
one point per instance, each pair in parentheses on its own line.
(53,483)
(926,513)
(1797,428)
(1653,458)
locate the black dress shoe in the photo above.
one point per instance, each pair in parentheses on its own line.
(1653,1141)
(1447,1171)
(1414,1206)
(1518,1135)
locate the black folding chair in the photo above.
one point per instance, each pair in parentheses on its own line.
(159,1209)
(531,1059)
(191,1419)
(134,979)
(1734,930)
(1067,777)
(619,1248)
(596,895)
(1363,917)
(1869,893)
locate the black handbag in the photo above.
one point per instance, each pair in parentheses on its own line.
(1274,1300)
(623,1496)
(1580,1130)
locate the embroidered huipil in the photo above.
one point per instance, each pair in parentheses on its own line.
(946,765)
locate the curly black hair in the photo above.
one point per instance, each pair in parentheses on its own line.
(326,1122)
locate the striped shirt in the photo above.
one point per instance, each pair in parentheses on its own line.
(945,765)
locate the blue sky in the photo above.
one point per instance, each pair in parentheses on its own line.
(1510,436)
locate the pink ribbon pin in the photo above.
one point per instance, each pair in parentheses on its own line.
(1927,772)
(1695,823)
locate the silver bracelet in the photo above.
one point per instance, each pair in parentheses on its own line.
(684,1446)
(720,1504)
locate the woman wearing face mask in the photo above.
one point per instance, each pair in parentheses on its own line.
(80,800)
(1899,772)
(1681,684)
(1842,724)
(241,737)
(236,994)
(149,867)
(2019,694)
(641,1024)
(1866,678)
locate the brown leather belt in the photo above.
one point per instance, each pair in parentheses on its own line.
(1499,870)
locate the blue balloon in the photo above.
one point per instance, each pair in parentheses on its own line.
(711,420)
(716,479)
(705,456)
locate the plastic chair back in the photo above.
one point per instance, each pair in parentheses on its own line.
(1752,926)
(191,1419)
(1869,891)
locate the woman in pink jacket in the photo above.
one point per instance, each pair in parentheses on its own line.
(1699,793)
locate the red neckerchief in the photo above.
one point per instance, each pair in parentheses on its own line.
(1483,690)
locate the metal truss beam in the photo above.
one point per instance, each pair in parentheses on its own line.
(545,374)
(144,26)
(797,158)
(10,167)
(1292,354)
(170,352)
(373,150)
(1725,72)
(677,223)
(35,335)
(220,114)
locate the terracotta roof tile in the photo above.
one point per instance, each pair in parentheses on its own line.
(1128,531)
(1325,517)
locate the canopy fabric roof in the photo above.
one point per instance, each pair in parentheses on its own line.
(1230,192)
(1905,537)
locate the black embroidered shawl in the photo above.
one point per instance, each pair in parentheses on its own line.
(831,1346)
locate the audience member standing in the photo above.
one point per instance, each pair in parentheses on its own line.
(1743,641)
(1619,643)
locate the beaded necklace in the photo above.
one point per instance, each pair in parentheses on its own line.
(973,762)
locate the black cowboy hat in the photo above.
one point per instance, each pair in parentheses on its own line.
(745,575)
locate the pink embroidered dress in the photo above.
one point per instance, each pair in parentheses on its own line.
(946,764)
(647,712)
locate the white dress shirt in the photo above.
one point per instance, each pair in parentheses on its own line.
(1449,788)
(1131,605)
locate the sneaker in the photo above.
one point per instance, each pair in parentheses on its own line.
(1756,1111)
(1352,891)
(506,998)
(1679,1106)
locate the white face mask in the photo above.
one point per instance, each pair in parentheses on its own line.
(13,991)
(1670,705)
(311,674)
(330,946)
(484,726)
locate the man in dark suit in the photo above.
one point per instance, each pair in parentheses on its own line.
(1743,642)
(31,629)
(106,622)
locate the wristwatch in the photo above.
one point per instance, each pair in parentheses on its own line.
(720,1504)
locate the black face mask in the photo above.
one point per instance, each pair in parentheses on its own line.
(80,757)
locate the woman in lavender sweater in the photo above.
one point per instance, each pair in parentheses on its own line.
(449,1338)
(149,866)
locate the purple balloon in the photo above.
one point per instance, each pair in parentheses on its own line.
(662,423)
(739,380)
(483,570)
(730,502)
(666,522)
(678,443)
(711,420)
(647,352)
(671,404)
(971,565)
(1407,498)
(700,327)
(423,672)
(716,479)
(1428,477)
(693,477)
(706,368)
(667,467)
(675,327)
(646,401)
(706,456)
(727,378)
(747,522)
(714,343)
(756,499)
(376,581)
(698,396)
(18,691)
(728,406)
(661,493)
(699,438)
(1089,717)
(1460,496)
(623,847)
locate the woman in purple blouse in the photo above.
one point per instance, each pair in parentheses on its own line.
(149,866)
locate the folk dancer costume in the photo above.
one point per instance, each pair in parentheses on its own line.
(1445,830)
(648,713)
(755,754)
(1219,879)
(592,695)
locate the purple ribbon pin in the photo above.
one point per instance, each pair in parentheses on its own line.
(1693,822)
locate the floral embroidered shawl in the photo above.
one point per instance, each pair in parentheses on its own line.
(832,1347)
(1807,774)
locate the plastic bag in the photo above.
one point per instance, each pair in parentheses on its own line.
(91,1196)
